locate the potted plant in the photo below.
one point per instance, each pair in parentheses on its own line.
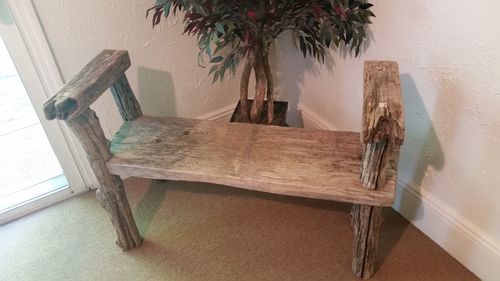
(230,32)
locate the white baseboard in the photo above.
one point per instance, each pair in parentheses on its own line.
(219,114)
(313,121)
(455,235)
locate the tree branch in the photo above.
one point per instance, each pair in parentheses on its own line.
(245,79)
(260,87)
(270,85)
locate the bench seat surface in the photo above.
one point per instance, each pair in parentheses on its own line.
(290,161)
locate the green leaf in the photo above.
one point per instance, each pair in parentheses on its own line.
(219,27)
(336,41)
(303,46)
(213,69)
(166,8)
(222,72)
(216,77)
(233,67)
(208,49)
(328,39)
(218,48)
(365,6)
(200,59)
(216,59)
(348,36)
(358,50)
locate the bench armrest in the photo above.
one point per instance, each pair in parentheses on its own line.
(382,103)
(93,80)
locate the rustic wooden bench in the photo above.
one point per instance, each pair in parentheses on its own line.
(358,168)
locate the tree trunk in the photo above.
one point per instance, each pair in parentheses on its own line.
(270,87)
(259,61)
(260,87)
(245,79)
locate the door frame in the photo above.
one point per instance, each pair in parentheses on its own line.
(35,51)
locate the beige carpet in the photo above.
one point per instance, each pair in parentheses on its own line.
(199,232)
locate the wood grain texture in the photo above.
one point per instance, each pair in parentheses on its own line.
(125,100)
(290,161)
(374,164)
(383,123)
(81,91)
(382,104)
(366,221)
(111,194)
(382,135)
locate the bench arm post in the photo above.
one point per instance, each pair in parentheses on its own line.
(72,105)
(381,137)
(383,122)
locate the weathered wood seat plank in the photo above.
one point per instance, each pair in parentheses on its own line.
(289,161)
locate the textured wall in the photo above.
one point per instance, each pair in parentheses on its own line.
(449,57)
(164,73)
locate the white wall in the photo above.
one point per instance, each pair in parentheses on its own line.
(449,57)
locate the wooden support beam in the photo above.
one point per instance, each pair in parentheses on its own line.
(382,134)
(111,194)
(127,103)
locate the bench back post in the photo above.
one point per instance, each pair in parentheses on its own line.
(72,105)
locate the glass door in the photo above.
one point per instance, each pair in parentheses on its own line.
(36,166)
(29,168)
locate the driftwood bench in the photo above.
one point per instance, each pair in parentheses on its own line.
(358,168)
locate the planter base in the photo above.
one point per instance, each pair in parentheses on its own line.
(279,119)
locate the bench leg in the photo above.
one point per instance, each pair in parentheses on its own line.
(111,194)
(116,205)
(366,221)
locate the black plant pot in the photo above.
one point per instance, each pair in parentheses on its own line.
(279,119)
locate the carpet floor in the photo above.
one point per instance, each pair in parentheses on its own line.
(201,232)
